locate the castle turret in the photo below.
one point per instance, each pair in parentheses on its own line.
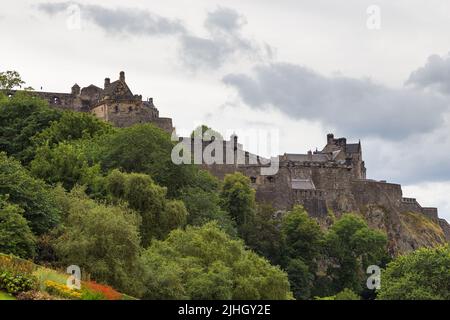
(122,76)
(76,89)
(107,82)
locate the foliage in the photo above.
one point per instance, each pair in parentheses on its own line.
(238,199)
(15,283)
(345,294)
(353,246)
(73,126)
(62,290)
(14,264)
(205,206)
(32,195)
(303,242)
(205,133)
(15,234)
(102,240)
(21,118)
(300,277)
(264,236)
(420,275)
(10,80)
(159,215)
(144,149)
(302,236)
(65,163)
(205,263)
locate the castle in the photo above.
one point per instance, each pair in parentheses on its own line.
(331,181)
(114,103)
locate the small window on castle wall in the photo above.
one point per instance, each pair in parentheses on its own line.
(116,108)
(253,179)
(130,109)
(56,100)
(270,179)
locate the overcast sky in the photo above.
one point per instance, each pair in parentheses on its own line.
(305,68)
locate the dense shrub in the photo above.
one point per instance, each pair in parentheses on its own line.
(15,234)
(14,282)
(30,194)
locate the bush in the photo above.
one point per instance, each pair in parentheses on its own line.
(30,194)
(16,283)
(15,234)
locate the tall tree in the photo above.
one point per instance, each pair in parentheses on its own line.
(238,199)
(352,246)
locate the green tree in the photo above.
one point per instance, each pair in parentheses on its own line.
(352,246)
(300,277)
(103,240)
(66,163)
(206,133)
(238,199)
(264,234)
(73,126)
(303,243)
(205,263)
(144,149)
(21,118)
(303,237)
(159,215)
(204,206)
(15,234)
(10,80)
(423,274)
(32,195)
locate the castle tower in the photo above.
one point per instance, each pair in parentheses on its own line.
(107,83)
(122,76)
(75,89)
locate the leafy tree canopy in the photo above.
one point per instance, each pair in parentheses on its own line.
(15,234)
(205,263)
(420,275)
(32,195)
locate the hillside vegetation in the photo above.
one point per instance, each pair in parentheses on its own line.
(76,191)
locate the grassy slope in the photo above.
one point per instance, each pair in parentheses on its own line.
(6,296)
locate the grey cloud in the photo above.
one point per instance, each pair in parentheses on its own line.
(223,25)
(224,42)
(434,75)
(122,21)
(225,19)
(417,159)
(351,106)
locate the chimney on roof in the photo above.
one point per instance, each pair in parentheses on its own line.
(107,82)
(122,76)
(330,138)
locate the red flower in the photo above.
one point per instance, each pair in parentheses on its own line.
(108,292)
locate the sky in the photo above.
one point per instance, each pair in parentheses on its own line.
(375,71)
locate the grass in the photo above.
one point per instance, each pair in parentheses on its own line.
(6,296)
(420,226)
